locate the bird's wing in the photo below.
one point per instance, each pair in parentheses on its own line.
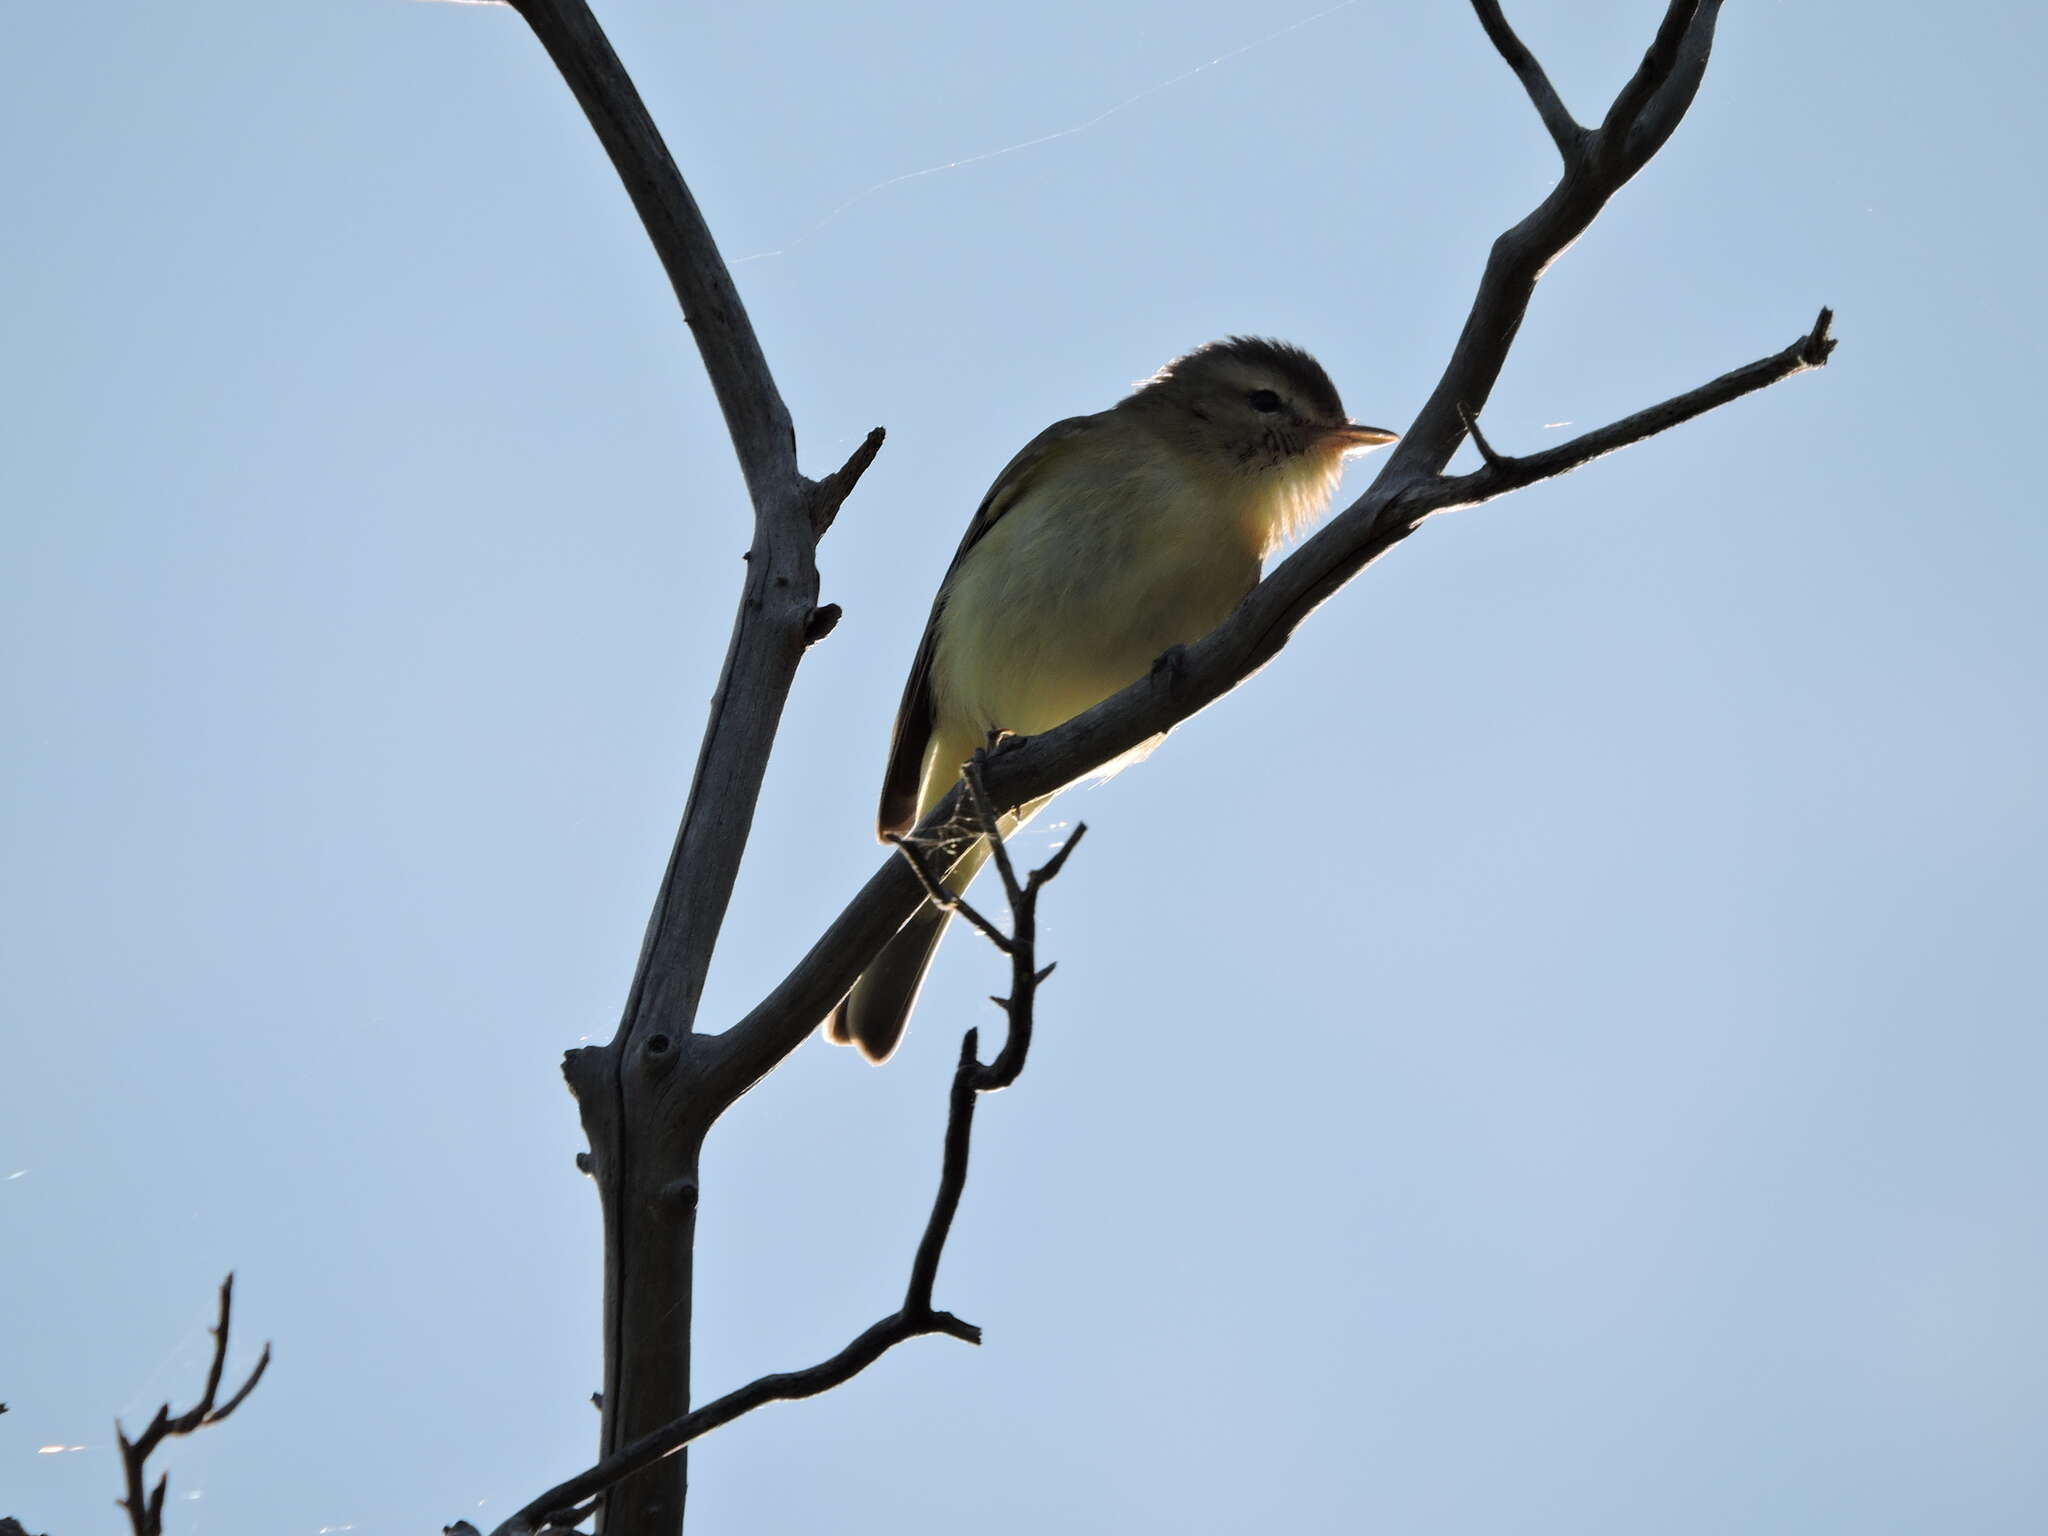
(913,730)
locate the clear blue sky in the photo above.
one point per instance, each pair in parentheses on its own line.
(1560,1052)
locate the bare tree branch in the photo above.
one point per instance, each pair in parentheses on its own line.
(1478,437)
(1503,474)
(1659,60)
(1411,485)
(1022,944)
(917,1316)
(146,1511)
(1565,131)
(637,1094)
(754,413)
(790,514)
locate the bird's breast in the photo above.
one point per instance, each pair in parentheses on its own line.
(1081,584)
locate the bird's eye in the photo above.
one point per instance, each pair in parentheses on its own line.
(1263,400)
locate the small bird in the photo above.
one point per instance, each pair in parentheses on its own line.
(1105,543)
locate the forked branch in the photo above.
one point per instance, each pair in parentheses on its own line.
(1503,473)
(917,1316)
(791,513)
(146,1509)
(1565,131)
(1412,484)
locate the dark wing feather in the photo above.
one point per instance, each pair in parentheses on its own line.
(913,730)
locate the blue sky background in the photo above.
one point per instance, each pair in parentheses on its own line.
(1560,1052)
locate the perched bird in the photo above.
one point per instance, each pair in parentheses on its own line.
(1106,542)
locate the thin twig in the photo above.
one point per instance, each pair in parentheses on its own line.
(787,1386)
(1502,475)
(1021,944)
(1566,132)
(942,895)
(146,1511)
(754,413)
(1479,441)
(931,1247)
(991,824)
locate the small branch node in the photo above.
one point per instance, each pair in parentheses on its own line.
(820,622)
(830,493)
(1486,451)
(1819,344)
(1503,475)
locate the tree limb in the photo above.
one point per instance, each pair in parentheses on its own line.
(790,513)
(759,422)
(1565,131)
(1503,474)
(917,1316)
(146,1511)
(1410,487)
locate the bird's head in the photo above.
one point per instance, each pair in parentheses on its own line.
(1263,415)
(1254,406)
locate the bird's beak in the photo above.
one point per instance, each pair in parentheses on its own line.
(1356,439)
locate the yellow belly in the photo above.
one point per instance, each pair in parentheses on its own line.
(1060,605)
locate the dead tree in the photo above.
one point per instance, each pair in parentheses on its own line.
(649,1096)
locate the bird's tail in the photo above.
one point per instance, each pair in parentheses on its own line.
(874,1014)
